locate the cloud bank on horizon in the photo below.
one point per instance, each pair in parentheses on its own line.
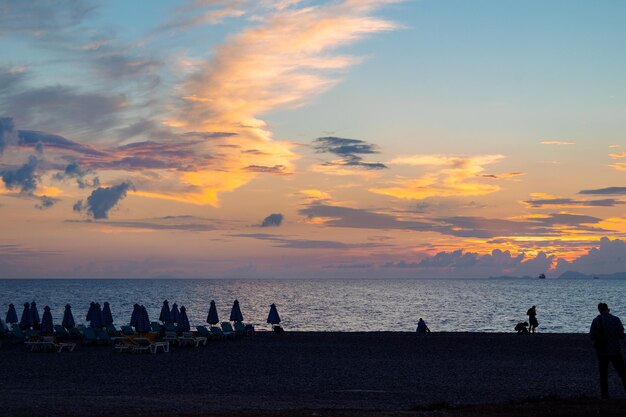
(222,110)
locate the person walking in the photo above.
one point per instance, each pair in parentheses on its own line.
(605,332)
(532,319)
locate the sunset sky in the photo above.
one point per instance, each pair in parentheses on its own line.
(312,139)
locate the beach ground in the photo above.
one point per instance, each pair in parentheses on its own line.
(317,374)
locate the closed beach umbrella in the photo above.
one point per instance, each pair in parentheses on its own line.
(107,317)
(235,312)
(46,322)
(143,321)
(212,318)
(273,317)
(27,318)
(90,313)
(183,323)
(68,317)
(11,314)
(175,313)
(34,313)
(96,316)
(165,315)
(134,318)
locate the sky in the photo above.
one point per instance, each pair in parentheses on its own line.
(312,139)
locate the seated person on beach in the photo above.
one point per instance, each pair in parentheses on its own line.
(521,328)
(422,327)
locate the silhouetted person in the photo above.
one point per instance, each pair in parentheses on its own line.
(532,319)
(605,332)
(422,327)
(522,328)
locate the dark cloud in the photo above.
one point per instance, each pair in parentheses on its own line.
(350,217)
(174,223)
(281,242)
(607,190)
(547,202)
(103,199)
(348,150)
(34,137)
(78,206)
(24,178)
(42,17)
(276,169)
(91,112)
(46,202)
(273,220)
(7,132)
(74,171)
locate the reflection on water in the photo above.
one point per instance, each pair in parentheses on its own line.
(339,305)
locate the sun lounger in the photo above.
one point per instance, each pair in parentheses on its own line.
(203,332)
(123,344)
(89,336)
(240,328)
(217,333)
(128,331)
(51,343)
(227,329)
(187,338)
(17,333)
(169,326)
(156,327)
(74,332)
(143,344)
(112,331)
(61,332)
(170,337)
(102,336)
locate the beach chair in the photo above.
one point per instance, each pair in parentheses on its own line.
(156,327)
(112,330)
(227,329)
(240,328)
(143,344)
(89,336)
(187,338)
(171,337)
(74,333)
(169,326)
(128,331)
(123,344)
(17,333)
(217,333)
(61,332)
(202,331)
(51,344)
(103,336)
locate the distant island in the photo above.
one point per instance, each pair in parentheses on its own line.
(571,275)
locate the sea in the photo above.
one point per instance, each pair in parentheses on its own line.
(489,305)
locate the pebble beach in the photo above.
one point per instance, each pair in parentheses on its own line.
(372,372)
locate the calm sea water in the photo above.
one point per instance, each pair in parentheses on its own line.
(339,305)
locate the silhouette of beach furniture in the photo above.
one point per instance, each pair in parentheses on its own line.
(112,330)
(169,326)
(202,331)
(123,344)
(58,346)
(61,332)
(143,344)
(103,336)
(240,328)
(217,333)
(128,331)
(171,337)
(89,336)
(187,338)
(17,332)
(156,327)
(227,329)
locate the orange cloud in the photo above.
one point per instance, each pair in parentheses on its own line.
(453,178)
(557,142)
(281,63)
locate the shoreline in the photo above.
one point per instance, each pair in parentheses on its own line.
(370,372)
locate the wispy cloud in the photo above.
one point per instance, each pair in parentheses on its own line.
(453,176)
(284,242)
(540,200)
(605,191)
(349,150)
(557,142)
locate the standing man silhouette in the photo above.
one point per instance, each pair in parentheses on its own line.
(605,332)
(532,319)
